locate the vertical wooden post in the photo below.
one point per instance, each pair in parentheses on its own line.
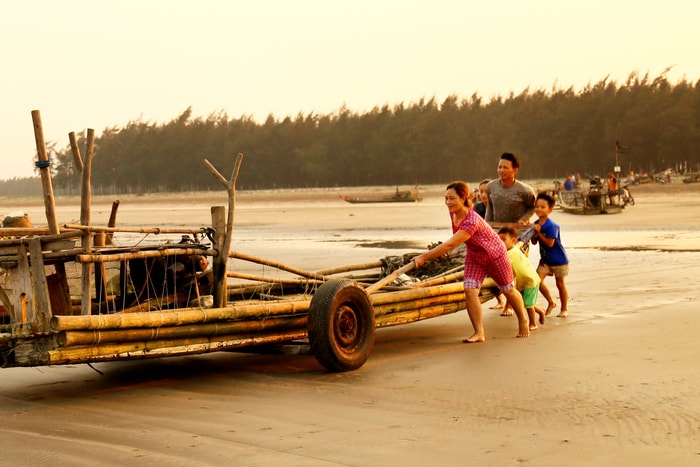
(101,279)
(219,266)
(23,298)
(112,221)
(86,239)
(75,149)
(40,287)
(45,171)
(220,263)
(44,166)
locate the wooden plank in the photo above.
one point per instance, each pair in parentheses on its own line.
(22,296)
(42,303)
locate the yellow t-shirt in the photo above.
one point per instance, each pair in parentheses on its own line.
(525,275)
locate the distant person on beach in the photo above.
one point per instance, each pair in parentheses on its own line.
(553,258)
(612,188)
(569,183)
(527,282)
(486,254)
(509,200)
(480,208)
(480,205)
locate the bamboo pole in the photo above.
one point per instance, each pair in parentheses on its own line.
(447,279)
(154,230)
(349,268)
(108,257)
(42,233)
(275,264)
(56,255)
(381,283)
(254,277)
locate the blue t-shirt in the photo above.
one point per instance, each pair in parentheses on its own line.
(556,255)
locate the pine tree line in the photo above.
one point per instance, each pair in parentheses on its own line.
(555,132)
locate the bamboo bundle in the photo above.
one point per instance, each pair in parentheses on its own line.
(126,334)
(398,307)
(233,312)
(91,346)
(177,318)
(161,348)
(410,316)
(416,293)
(93,337)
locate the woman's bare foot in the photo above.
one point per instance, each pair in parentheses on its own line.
(476,337)
(497,306)
(550,307)
(563,314)
(507,312)
(523,330)
(533,327)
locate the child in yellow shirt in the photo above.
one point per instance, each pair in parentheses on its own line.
(527,281)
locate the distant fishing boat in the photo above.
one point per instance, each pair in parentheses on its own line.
(400,196)
(592,202)
(691,177)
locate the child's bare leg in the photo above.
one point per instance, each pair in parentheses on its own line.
(500,302)
(507,310)
(531,317)
(474,311)
(516,301)
(540,312)
(563,296)
(551,304)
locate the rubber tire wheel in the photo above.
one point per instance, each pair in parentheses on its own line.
(341,325)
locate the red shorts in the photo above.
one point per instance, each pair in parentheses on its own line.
(500,270)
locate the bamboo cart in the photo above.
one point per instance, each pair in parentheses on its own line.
(69,295)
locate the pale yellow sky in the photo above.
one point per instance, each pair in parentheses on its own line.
(97,64)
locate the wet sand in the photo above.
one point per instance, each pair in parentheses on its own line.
(614,383)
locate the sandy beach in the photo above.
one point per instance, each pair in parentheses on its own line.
(615,383)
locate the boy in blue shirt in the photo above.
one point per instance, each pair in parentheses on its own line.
(553,259)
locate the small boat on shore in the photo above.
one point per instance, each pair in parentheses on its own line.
(591,202)
(691,177)
(400,196)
